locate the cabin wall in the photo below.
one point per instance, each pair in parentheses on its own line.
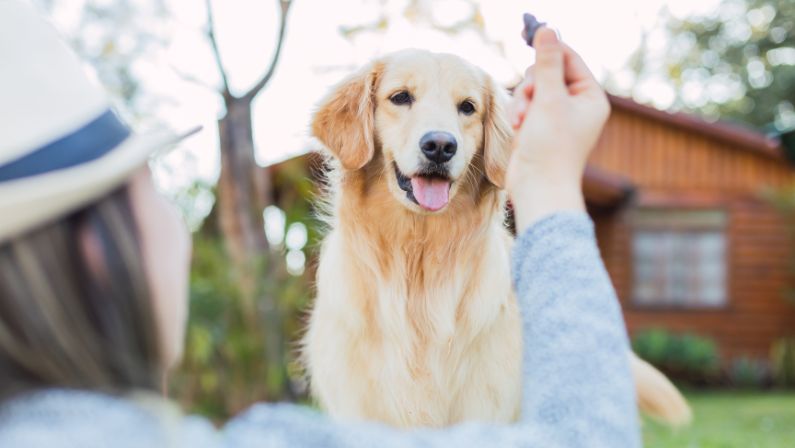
(656,155)
(678,169)
(757,310)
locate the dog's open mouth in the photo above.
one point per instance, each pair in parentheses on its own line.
(430,190)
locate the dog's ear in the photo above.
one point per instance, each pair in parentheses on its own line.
(345,120)
(497,134)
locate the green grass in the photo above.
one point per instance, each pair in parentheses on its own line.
(729,420)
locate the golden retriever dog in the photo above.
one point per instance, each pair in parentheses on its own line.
(415,322)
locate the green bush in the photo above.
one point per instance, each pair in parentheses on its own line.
(749,373)
(652,345)
(230,339)
(782,359)
(687,357)
(224,368)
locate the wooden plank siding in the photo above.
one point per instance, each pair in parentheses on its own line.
(675,167)
(655,154)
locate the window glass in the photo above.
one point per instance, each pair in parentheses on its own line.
(679,258)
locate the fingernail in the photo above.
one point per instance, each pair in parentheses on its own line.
(528,88)
(517,120)
(544,37)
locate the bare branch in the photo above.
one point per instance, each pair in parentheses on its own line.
(285,8)
(217,54)
(192,79)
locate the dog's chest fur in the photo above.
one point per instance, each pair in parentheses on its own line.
(415,325)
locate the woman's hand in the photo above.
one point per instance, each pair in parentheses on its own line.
(558,113)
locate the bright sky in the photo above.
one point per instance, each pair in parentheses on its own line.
(316,55)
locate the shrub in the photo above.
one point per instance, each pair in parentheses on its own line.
(226,366)
(749,373)
(782,359)
(652,345)
(686,357)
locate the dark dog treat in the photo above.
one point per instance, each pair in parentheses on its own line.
(531,25)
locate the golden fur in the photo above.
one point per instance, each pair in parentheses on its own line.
(415,322)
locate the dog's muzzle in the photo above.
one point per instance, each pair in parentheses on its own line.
(429,188)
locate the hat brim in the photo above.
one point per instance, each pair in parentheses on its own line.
(33,201)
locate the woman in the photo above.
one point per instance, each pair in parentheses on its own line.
(93,274)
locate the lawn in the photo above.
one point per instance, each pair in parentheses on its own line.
(731,419)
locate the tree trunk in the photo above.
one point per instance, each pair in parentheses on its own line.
(243,189)
(243,193)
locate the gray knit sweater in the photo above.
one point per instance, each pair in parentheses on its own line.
(578,390)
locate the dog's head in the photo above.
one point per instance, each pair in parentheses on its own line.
(437,121)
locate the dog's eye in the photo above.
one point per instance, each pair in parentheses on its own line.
(401,98)
(466,108)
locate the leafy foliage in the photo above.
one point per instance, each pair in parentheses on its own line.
(749,373)
(738,63)
(783,199)
(685,357)
(115,37)
(782,358)
(224,369)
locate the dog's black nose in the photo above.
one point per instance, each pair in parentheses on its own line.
(438,147)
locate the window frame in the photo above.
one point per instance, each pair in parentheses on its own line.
(724,227)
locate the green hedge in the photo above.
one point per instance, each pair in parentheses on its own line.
(686,357)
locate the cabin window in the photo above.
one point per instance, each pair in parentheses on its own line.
(679,258)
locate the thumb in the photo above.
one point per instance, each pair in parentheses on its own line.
(548,69)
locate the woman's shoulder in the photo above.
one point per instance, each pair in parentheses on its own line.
(69,418)
(58,418)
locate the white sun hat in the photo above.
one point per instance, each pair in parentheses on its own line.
(61,145)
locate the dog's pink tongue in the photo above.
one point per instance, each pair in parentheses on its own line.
(431,193)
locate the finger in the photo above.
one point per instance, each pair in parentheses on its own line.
(522,95)
(517,109)
(518,92)
(528,90)
(575,68)
(579,78)
(517,120)
(527,83)
(549,67)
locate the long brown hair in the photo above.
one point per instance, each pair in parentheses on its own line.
(75,308)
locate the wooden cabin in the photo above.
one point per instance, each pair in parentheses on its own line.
(687,237)
(689,240)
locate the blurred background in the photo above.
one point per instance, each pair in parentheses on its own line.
(692,185)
